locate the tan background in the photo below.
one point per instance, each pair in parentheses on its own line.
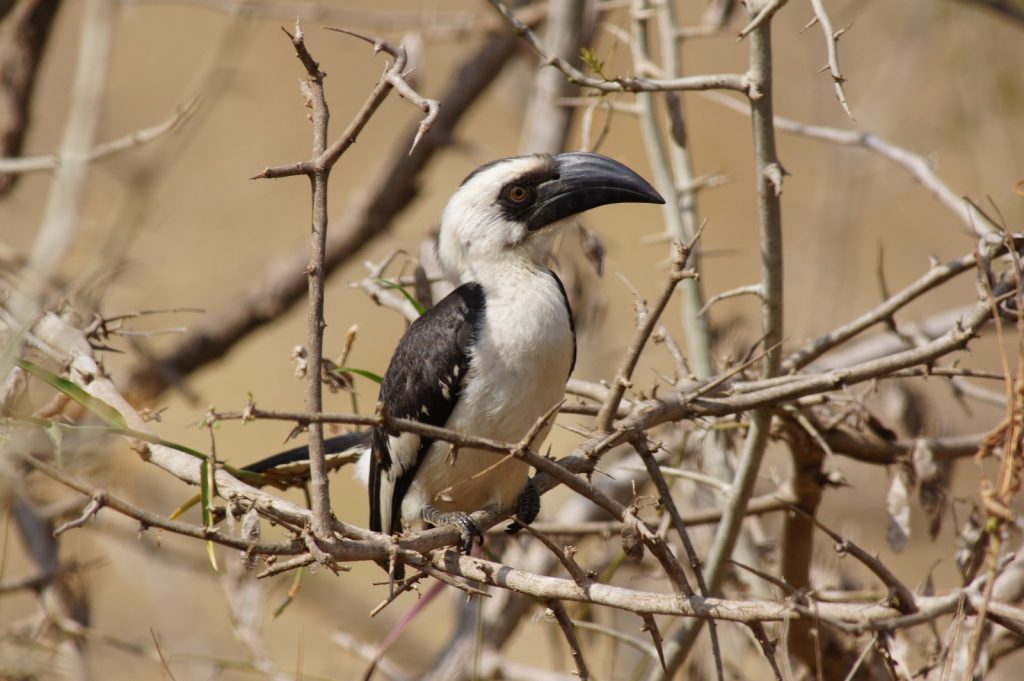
(933,76)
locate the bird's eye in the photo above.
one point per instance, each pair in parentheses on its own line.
(518,193)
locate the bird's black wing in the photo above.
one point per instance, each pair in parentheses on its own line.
(423,382)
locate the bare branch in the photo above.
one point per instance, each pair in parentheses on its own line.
(975,221)
(725,81)
(24,33)
(148,519)
(644,330)
(392,187)
(29,164)
(749,290)
(763,15)
(569,631)
(831,45)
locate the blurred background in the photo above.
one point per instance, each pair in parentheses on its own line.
(176,222)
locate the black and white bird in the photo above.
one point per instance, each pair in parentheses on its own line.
(492,357)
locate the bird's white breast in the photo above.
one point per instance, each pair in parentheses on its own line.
(518,369)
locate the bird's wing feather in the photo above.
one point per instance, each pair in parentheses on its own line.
(423,382)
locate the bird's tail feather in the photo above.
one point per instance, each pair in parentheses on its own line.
(339,449)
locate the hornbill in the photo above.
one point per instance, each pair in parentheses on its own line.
(492,357)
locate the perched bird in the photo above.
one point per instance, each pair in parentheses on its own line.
(492,357)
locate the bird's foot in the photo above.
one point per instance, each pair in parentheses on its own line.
(527,508)
(468,528)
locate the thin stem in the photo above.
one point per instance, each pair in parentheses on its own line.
(319,485)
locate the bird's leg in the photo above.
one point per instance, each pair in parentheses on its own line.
(527,508)
(468,528)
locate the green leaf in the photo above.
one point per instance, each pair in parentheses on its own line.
(408,296)
(362,372)
(590,60)
(104,411)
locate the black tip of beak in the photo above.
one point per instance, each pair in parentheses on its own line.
(584,181)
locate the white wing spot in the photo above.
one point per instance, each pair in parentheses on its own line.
(445,391)
(424,410)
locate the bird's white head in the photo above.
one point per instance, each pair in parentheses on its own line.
(501,213)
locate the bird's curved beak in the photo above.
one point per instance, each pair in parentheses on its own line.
(584,181)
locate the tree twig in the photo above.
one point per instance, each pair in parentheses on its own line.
(723,81)
(393,186)
(831,47)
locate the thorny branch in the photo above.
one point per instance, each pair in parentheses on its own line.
(735,397)
(724,81)
(318,170)
(391,188)
(831,46)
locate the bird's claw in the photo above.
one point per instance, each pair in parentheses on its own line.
(468,528)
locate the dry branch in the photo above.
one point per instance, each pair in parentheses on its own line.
(24,32)
(918,166)
(393,186)
(724,81)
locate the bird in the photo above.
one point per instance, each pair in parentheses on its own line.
(491,358)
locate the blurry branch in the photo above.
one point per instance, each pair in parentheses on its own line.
(568,628)
(881,345)
(718,13)
(371,285)
(369,653)
(900,597)
(29,164)
(432,22)
(394,185)
(568,29)
(85,371)
(245,599)
(147,519)
(62,610)
(1007,9)
(24,33)
(936,276)
(672,168)
(63,206)
(724,81)
(918,166)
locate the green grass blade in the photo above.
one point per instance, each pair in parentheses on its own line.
(408,296)
(376,378)
(104,411)
(205,497)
